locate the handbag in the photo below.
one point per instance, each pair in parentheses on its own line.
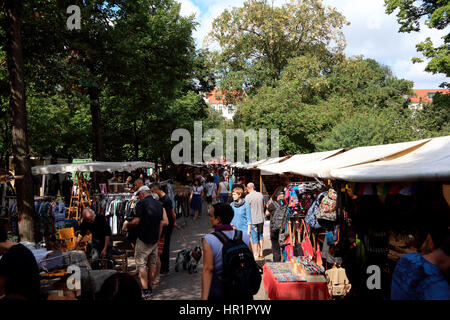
(327,208)
(306,245)
(318,255)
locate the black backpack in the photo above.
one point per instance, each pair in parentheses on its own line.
(241,276)
(279,218)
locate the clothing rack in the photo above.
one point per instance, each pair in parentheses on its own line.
(113,195)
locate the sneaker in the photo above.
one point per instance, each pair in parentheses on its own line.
(147,294)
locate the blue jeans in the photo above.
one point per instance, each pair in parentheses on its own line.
(223,197)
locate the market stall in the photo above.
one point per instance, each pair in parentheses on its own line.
(55,254)
(369,213)
(281,283)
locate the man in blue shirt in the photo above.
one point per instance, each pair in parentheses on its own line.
(423,277)
(216,177)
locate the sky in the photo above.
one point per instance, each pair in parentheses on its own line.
(371,33)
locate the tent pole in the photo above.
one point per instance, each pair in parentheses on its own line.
(43,185)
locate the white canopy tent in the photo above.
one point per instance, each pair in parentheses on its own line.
(256,164)
(429,162)
(95,166)
(322,169)
(295,162)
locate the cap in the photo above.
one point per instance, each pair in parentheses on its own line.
(143,188)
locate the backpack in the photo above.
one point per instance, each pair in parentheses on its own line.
(241,276)
(327,208)
(279,219)
(311,217)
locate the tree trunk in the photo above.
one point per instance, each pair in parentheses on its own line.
(19,142)
(136,142)
(97,131)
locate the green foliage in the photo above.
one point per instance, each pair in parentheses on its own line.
(257,40)
(58,125)
(141,57)
(312,98)
(434,119)
(370,127)
(436,12)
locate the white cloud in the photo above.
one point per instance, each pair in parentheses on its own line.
(188,8)
(415,72)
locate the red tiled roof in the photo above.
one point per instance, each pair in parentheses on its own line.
(212,96)
(421,95)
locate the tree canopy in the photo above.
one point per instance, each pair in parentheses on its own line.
(257,40)
(312,98)
(436,14)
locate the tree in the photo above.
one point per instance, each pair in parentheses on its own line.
(370,127)
(13,10)
(437,16)
(312,97)
(257,40)
(434,119)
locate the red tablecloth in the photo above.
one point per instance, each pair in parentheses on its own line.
(293,290)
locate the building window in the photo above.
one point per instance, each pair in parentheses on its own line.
(230,110)
(430,95)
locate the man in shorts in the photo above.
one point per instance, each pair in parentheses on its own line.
(256,201)
(149,220)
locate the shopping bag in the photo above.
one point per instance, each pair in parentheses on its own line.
(306,245)
(318,255)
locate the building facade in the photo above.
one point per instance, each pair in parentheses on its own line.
(216,99)
(423,96)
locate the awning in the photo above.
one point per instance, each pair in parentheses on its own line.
(95,166)
(296,162)
(429,162)
(256,164)
(322,169)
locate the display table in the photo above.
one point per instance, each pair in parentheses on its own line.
(275,290)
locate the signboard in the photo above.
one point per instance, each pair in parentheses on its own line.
(87,175)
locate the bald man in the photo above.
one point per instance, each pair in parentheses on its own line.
(101,234)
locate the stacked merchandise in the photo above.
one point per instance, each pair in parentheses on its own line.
(283,272)
(306,264)
(300,197)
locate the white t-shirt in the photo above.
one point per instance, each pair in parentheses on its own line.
(223,187)
(210,189)
(198,190)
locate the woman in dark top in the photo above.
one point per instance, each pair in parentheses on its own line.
(197,194)
(275,234)
(19,272)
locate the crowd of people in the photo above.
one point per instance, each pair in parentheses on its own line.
(237,213)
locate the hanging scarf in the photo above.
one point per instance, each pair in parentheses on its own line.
(223,227)
(239,203)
